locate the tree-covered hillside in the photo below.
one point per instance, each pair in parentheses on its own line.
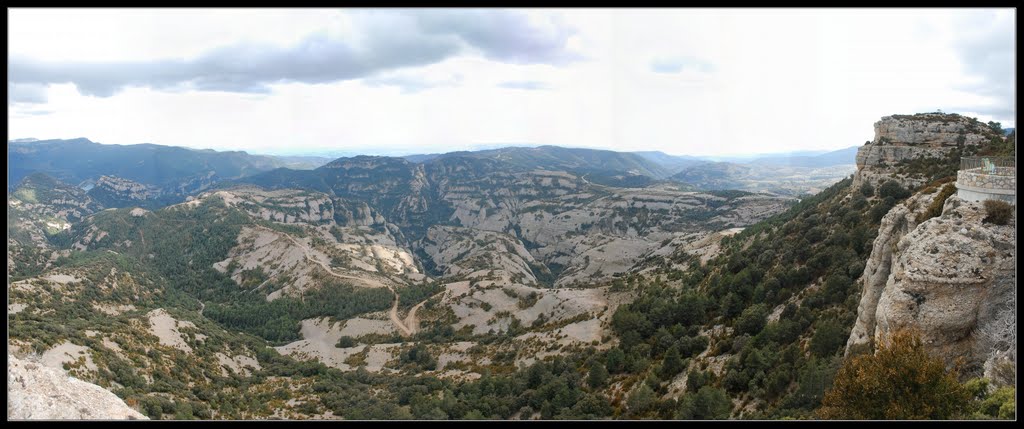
(78,160)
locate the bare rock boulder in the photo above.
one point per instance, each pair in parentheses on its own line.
(953,279)
(37,392)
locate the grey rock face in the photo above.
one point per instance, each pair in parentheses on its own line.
(126,189)
(932,130)
(38,392)
(956,288)
(894,226)
(903,138)
(462,251)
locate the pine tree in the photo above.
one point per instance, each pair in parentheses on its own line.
(672,363)
(598,375)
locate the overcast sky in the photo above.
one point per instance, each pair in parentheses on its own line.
(394,81)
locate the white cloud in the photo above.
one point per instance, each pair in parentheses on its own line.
(738,81)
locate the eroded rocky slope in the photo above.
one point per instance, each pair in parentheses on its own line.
(37,392)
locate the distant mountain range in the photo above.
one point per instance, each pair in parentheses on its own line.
(171,173)
(595,159)
(81,161)
(838,157)
(568,159)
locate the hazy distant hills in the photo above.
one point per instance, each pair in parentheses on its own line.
(81,160)
(673,163)
(788,174)
(555,158)
(168,171)
(838,157)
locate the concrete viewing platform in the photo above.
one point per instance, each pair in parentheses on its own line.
(987,178)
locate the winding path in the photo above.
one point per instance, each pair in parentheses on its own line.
(410,319)
(392,314)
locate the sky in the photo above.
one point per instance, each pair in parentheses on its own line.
(700,82)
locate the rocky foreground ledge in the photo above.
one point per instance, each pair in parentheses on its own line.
(37,392)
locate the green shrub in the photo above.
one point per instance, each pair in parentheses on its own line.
(893,189)
(829,337)
(998,212)
(867,190)
(901,381)
(752,320)
(998,404)
(346,341)
(879,210)
(935,208)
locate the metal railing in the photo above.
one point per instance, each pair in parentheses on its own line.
(991,165)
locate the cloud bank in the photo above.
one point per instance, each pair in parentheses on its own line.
(385,40)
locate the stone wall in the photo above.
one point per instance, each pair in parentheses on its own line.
(974,185)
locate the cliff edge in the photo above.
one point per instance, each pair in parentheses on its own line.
(900,139)
(951,277)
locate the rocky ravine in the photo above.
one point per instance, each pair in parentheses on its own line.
(38,392)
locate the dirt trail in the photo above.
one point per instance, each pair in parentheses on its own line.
(393,314)
(410,320)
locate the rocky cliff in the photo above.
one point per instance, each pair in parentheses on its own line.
(118,192)
(37,392)
(952,278)
(877,270)
(903,138)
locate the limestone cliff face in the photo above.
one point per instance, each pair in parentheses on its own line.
(901,138)
(474,253)
(124,189)
(38,392)
(952,278)
(894,226)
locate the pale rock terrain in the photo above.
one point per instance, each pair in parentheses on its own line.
(903,138)
(125,189)
(239,364)
(459,252)
(166,328)
(900,220)
(38,392)
(951,277)
(67,353)
(359,326)
(320,339)
(344,239)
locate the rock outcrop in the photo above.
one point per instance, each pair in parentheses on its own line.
(127,188)
(37,392)
(459,252)
(901,138)
(894,226)
(952,278)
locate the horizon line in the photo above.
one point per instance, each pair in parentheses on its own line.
(335,154)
